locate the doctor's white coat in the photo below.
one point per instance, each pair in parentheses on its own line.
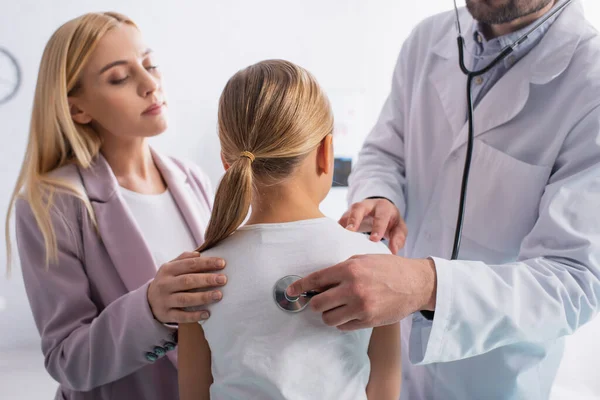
(529,269)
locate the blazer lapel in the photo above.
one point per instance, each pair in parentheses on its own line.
(119,232)
(182,192)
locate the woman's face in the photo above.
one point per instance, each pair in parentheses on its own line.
(120,91)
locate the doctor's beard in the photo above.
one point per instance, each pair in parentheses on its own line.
(496,12)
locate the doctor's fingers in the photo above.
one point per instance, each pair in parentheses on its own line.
(338,316)
(355,215)
(383,220)
(330,299)
(365,225)
(318,281)
(397,236)
(192,265)
(187,282)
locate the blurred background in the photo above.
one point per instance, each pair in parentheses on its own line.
(350,46)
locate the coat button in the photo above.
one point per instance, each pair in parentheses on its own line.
(159,351)
(169,346)
(151,357)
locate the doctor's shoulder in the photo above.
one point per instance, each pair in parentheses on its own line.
(433,28)
(427,34)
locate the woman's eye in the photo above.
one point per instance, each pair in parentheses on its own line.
(118,81)
(152,67)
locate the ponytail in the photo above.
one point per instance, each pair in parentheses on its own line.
(232,201)
(276,110)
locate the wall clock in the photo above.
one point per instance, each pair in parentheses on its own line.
(10,76)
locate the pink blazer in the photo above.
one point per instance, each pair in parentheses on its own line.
(99,338)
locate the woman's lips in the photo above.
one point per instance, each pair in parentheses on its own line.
(154,109)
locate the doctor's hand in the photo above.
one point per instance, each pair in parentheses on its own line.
(169,292)
(380,217)
(371,290)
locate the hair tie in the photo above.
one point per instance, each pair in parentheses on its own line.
(248,155)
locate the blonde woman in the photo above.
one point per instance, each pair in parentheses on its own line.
(98,212)
(275,128)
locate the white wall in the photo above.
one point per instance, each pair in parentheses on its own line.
(351,46)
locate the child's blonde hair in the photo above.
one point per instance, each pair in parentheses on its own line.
(271,116)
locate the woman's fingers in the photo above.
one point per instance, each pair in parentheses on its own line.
(193,300)
(193,265)
(185,317)
(203,281)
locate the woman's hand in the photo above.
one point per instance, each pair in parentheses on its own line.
(171,290)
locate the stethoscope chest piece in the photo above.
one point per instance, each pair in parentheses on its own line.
(285,302)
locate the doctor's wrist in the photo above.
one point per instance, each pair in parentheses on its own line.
(430,285)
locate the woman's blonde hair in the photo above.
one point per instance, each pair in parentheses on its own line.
(55,139)
(271,116)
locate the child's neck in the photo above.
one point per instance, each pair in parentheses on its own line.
(284,204)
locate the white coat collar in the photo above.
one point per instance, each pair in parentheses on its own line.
(548,60)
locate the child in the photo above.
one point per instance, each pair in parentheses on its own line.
(275,128)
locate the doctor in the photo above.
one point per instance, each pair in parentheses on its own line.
(529,266)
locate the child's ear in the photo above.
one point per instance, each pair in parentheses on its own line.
(325,155)
(78,115)
(225,163)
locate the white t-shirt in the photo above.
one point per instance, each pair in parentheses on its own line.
(163,228)
(262,352)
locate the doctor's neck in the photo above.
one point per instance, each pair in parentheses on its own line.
(496,30)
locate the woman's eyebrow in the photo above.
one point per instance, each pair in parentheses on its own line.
(121,62)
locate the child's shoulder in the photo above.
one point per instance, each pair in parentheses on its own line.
(320,234)
(358,242)
(231,244)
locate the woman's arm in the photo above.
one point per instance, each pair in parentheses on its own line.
(84,347)
(193,360)
(386,366)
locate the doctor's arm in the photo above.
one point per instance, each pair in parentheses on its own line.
(554,287)
(194,363)
(379,172)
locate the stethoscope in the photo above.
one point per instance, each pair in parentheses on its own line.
(298,304)
(288,303)
(470,75)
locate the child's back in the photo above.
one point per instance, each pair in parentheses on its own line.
(262,352)
(276,134)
